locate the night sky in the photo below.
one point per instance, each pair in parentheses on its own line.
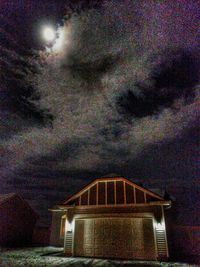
(116,92)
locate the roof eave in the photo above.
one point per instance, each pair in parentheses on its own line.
(166,203)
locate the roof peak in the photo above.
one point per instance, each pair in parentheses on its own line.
(6,196)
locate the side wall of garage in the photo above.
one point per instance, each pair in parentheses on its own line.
(55,237)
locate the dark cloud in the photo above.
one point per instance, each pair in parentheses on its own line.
(174,76)
(178,70)
(94,70)
(17,62)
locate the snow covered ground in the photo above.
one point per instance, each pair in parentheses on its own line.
(51,256)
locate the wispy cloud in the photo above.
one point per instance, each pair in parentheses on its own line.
(102,55)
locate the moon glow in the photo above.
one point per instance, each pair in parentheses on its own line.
(49,33)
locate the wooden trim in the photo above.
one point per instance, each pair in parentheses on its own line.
(143,189)
(58,210)
(115,192)
(106,192)
(155,238)
(156,203)
(97,194)
(61,208)
(73,236)
(114,215)
(98,180)
(121,205)
(85,188)
(163,218)
(145,197)
(124,185)
(134,194)
(89,196)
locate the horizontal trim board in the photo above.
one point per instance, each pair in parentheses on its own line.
(157,203)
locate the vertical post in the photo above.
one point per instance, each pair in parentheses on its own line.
(155,236)
(106,197)
(163,219)
(134,194)
(88,196)
(145,197)
(115,192)
(97,194)
(124,192)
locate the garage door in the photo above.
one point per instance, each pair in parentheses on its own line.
(127,238)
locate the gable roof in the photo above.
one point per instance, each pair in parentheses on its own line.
(108,179)
(7,197)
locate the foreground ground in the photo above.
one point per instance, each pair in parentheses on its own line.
(51,256)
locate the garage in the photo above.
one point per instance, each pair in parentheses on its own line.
(112,217)
(125,238)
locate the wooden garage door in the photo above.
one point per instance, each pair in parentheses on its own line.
(127,238)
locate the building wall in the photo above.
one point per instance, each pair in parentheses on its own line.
(41,236)
(17,222)
(154,212)
(55,239)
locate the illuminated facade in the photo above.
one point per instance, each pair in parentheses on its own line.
(112,217)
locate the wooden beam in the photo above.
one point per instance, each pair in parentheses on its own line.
(124,184)
(106,192)
(134,194)
(145,197)
(103,180)
(97,194)
(61,208)
(116,206)
(115,191)
(89,196)
(166,241)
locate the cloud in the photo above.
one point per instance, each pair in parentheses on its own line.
(104,89)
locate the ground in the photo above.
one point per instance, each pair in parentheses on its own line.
(51,256)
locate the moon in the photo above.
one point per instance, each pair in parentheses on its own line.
(49,33)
